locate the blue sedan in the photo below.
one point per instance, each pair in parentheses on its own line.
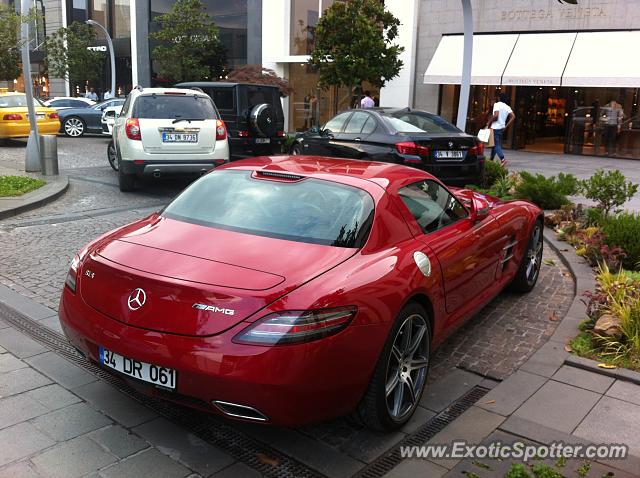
(75,122)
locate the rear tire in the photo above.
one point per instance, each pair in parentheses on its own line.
(112,156)
(400,376)
(296,149)
(126,182)
(529,270)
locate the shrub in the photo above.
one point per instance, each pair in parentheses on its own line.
(609,189)
(591,244)
(493,171)
(623,230)
(594,217)
(547,193)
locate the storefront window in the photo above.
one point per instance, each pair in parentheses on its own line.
(121,19)
(99,12)
(304,18)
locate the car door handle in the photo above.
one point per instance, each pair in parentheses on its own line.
(357,139)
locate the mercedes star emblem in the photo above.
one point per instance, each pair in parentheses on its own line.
(137,299)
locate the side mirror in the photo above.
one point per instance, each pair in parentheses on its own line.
(315,130)
(478,208)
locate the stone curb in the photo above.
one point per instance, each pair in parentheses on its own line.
(592,366)
(44,195)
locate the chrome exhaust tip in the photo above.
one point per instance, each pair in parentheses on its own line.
(236,410)
(156,174)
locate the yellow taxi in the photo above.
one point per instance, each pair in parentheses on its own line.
(14,117)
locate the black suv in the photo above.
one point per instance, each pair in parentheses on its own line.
(252,114)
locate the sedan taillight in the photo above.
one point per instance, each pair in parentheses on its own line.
(72,275)
(221,130)
(296,326)
(54,116)
(478,149)
(132,128)
(412,149)
(12,117)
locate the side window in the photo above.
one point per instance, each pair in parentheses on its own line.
(369,125)
(126,106)
(335,124)
(431,205)
(60,103)
(77,103)
(357,121)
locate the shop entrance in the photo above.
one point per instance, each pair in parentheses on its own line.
(541,116)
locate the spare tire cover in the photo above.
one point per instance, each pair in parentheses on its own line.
(263,120)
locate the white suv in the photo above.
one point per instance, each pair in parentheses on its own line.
(167,131)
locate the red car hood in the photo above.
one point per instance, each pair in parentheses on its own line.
(178,264)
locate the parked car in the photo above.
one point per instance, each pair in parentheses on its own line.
(14,117)
(108,119)
(76,122)
(62,102)
(252,113)
(164,131)
(403,136)
(288,290)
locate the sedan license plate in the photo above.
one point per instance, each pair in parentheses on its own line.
(449,154)
(179,137)
(263,140)
(164,377)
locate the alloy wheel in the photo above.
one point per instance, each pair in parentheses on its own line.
(296,150)
(407,367)
(534,255)
(74,127)
(112,156)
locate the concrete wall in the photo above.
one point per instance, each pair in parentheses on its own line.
(54,17)
(438,17)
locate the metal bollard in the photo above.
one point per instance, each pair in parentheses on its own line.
(49,154)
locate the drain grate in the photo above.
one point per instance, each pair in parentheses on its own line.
(263,458)
(386,462)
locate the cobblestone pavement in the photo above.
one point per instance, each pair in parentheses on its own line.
(36,248)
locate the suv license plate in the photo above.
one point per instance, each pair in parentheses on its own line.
(449,154)
(263,140)
(179,138)
(164,377)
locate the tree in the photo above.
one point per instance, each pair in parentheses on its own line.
(68,54)
(261,76)
(354,43)
(10,44)
(190,47)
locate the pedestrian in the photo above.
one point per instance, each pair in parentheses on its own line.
(92,95)
(108,95)
(499,122)
(367,101)
(611,118)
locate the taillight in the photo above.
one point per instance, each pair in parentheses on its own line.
(478,149)
(296,326)
(132,128)
(412,149)
(12,117)
(221,130)
(72,275)
(243,134)
(280,134)
(219,162)
(54,116)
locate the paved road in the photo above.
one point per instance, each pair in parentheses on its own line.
(36,248)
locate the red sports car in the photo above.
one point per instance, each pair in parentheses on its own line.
(290,290)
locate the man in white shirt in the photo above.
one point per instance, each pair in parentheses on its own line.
(502,118)
(92,95)
(367,101)
(108,95)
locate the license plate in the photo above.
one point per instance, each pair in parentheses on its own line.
(179,138)
(263,140)
(449,154)
(164,377)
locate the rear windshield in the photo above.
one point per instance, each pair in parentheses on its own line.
(15,101)
(311,210)
(171,107)
(409,122)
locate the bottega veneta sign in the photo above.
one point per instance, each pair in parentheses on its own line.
(568,13)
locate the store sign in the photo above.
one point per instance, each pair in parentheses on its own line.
(97,48)
(569,13)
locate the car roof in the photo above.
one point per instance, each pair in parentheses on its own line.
(363,174)
(162,91)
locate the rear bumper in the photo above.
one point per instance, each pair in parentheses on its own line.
(247,147)
(290,385)
(10,129)
(450,172)
(152,168)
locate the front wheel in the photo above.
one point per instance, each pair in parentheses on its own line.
(529,270)
(73,127)
(112,155)
(296,149)
(401,373)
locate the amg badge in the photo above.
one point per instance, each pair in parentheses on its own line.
(213,308)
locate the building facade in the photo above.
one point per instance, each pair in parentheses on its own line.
(570,71)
